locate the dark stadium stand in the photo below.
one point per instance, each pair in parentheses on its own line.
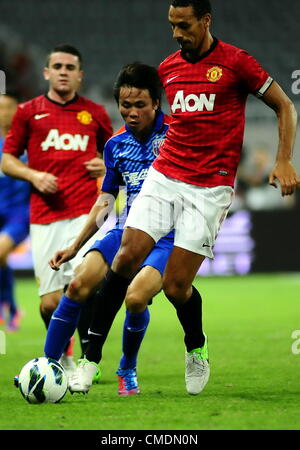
(112,33)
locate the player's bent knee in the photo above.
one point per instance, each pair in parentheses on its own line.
(78,289)
(134,303)
(48,307)
(176,293)
(73,287)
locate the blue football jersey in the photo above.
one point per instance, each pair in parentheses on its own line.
(14,193)
(128,160)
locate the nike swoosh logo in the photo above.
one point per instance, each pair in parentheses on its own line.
(40,116)
(94,334)
(58,318)
(205,245)
(133,330)
(172,78)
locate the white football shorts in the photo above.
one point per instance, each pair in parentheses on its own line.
(45,241)
(196,213)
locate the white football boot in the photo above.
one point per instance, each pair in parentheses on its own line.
(197,369)
(82,378)
(68,364)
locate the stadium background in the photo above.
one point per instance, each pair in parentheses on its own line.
(261,232)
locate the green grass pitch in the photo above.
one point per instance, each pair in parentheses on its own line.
(255,376)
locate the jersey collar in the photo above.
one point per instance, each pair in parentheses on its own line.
(74,99)
(159,120)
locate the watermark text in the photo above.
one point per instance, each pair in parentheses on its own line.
(2,82)
(296,344)
(296,83)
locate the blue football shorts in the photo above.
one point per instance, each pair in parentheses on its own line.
(15,224)
(110,244)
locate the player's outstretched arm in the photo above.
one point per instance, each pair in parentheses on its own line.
(42,181)
(14,167)
(95,219)
(283,170)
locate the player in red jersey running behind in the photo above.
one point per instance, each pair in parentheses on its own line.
(64,135)
(189,187)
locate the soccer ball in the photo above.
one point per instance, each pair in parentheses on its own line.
(43,380)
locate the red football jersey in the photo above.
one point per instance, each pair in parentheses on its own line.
(59,139)
(207,100)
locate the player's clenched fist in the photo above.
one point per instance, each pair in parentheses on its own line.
(44,182)
(285,173)
(96,167)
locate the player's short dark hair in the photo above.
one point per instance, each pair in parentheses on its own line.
(200,7)
(141,76)
(65,48)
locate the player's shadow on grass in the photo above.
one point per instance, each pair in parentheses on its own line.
(279,396)
(105,381)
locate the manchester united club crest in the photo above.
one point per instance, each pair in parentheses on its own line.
(156,144)
(214,74)
(84,117)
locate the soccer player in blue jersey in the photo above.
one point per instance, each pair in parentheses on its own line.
(14,220)
(128,155)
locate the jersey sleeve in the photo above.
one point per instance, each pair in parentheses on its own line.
(112,179)
(105,130)
(253,77)
(161,73)
(17,137)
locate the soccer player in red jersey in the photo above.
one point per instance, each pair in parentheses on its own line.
(190,186)
(64,135)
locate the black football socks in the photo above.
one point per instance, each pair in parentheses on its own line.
(84,323)
(106,303)
(190,317)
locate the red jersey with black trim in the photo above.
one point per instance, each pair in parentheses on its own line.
(59,139)
(207,99)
